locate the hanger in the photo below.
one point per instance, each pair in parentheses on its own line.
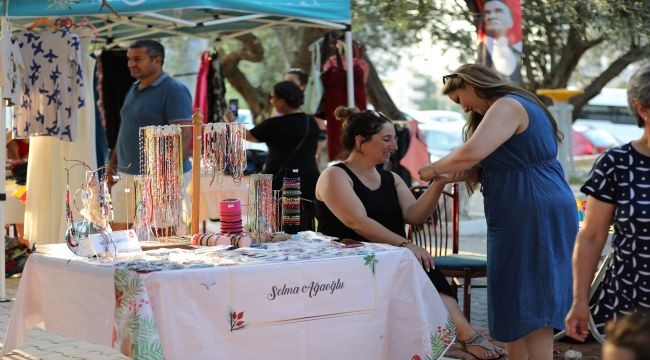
(65,23)
(43,22)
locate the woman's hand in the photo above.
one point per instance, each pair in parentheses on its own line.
(422,255)
(228,116)
(428,173)
(576,321)
(111,175)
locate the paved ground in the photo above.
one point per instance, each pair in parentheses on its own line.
(49,346)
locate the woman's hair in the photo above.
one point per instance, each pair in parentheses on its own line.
(300,74)
(290,93)
(631,332)
(152,48)
(638,88)
(489,85)
(356,122)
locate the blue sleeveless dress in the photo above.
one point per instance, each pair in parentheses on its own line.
(532,222)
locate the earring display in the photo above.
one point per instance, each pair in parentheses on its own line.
(96,209)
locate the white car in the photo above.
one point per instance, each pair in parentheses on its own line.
(438,116)
(608,111)
(442,137)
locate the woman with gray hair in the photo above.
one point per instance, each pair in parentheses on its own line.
(618,192)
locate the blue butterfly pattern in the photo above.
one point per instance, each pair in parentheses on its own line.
(53,83)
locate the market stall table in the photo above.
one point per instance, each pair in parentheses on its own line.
(307,297)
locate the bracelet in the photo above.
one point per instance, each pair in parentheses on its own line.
(405,243)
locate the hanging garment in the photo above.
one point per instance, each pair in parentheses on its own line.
(417,154)
(314,88)
(115,81)
(216,90)
(336,94)
(45,227)
(53,63)
(12,69)
(201,89)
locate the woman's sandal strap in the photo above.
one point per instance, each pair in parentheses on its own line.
(479,340)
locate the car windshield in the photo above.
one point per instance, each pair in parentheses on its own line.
(442,140)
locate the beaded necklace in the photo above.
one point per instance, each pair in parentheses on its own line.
(237,150)
(260,207)
(162,165)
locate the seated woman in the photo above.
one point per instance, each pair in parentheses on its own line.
(355,199)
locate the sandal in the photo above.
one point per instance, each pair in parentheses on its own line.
(479,340)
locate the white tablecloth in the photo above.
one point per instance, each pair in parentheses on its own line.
(378,305)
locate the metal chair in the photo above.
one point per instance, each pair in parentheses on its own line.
(439,235)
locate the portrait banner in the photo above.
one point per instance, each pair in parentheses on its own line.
(500,40)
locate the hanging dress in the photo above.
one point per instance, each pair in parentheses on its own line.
(45,221)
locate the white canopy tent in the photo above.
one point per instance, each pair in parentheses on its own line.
(124,20)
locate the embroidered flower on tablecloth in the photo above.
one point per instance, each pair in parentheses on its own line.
(235,319)
(371,261)
(442,339)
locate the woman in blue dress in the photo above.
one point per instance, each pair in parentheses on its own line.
(618,192)
(511,143)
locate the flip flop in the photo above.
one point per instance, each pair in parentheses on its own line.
(479,340)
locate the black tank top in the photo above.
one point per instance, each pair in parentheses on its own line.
(381,205)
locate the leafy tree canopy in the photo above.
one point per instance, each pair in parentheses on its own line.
(566,42)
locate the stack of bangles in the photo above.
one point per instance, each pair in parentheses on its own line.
(234,240)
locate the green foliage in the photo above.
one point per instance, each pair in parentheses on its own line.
(148,343)
(559,35)
(429,91)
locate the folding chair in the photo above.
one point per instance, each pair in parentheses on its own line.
(439,235)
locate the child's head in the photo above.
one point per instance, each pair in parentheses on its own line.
(628,338)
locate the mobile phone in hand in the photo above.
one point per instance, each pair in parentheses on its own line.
(233,104)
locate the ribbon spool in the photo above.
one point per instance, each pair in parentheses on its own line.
(230,216)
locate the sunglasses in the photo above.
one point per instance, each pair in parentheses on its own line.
(446,78)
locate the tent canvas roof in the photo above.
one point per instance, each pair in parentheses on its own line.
(201,18)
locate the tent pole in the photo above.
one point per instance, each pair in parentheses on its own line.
(3,176)
(350,73)
(197,122)
(3,201)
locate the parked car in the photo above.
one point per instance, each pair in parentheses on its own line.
(588,140)
(608,111)
(442,137)
(437,116)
